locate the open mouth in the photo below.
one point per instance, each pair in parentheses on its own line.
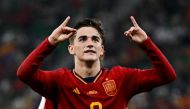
(89,51)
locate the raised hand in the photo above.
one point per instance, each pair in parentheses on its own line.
(61,33)
(135,33)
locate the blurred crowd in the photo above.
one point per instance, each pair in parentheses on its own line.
(25,23)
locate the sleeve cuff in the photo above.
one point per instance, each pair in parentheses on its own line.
(144,44)
(48,43)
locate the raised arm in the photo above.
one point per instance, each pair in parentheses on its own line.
(161,73)
(29,72)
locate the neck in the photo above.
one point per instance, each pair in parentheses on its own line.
(87,69)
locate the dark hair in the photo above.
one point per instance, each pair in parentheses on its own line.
(89,23)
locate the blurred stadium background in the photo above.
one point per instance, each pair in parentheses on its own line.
(25,23)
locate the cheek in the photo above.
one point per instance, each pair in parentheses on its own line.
(79,49)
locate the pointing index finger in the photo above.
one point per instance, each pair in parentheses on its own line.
(66,21)
(134,21)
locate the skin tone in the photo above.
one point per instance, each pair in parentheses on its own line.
(87,47)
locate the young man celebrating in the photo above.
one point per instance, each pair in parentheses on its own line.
(88,85)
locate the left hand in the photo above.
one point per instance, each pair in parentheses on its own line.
(135,33)
(61,33)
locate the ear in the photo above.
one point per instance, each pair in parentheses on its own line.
(102,51)
(71,49)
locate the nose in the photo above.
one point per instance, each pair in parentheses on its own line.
(90,46)
(90,43)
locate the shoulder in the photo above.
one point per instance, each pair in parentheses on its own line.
(59,72)
(120,74)
(63,70)
(120,70)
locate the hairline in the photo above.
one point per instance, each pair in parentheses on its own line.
(72,38)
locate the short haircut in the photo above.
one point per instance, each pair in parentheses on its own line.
(89,23)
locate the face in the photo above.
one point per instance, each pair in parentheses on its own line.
(87,45)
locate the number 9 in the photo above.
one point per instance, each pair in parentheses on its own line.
(93,104)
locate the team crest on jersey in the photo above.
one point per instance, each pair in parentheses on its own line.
(110,87)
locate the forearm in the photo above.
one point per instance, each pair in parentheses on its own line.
(159,61)
(32,63)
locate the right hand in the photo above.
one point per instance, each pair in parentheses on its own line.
(61,33)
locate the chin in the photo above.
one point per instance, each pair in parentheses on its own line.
(90,59)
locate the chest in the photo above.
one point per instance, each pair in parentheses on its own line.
(104,91)
(105,86)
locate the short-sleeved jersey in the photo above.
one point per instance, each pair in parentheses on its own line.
(111,89)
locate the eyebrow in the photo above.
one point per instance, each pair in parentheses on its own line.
(83,36)
(94,36)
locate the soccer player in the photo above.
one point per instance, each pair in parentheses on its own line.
(88,85)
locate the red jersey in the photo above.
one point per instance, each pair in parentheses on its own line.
(112,88)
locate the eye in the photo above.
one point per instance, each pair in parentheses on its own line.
(96,39)
(82,38)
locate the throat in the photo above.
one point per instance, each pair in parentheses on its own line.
(89,79)
(87,69)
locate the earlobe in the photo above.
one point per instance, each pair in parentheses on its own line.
(71,49)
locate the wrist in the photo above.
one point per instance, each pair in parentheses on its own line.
(52,41)
(145,42)
(145,38)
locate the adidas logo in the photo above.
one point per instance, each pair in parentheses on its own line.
(76,90)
